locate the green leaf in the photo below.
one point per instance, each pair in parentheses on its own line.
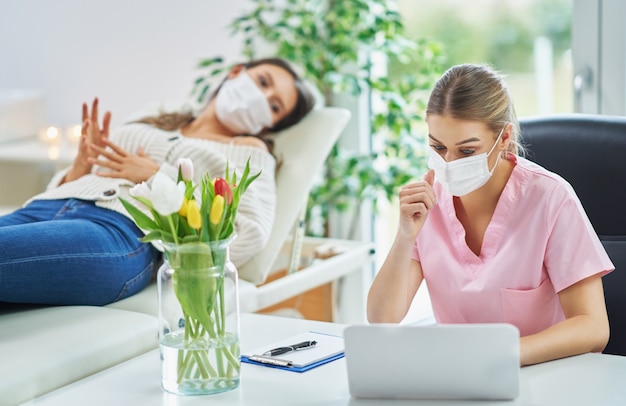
(210,61)
(156,235)
(141,219)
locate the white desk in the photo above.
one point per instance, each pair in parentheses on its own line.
(586,380)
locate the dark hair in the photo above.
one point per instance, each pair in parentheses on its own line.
(304,103)
(477,93)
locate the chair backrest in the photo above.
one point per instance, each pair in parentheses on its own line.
(589,151)
(303,148)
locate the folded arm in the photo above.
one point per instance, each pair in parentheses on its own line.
(585,329)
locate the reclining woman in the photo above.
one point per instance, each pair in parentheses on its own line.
(75,243)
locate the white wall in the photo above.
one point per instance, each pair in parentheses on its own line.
(129,53)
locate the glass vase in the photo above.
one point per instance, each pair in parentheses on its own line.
(198,318)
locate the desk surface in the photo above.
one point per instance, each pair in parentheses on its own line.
(590,379)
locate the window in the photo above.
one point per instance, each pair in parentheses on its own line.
(529,41)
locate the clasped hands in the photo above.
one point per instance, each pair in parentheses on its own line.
(95,148)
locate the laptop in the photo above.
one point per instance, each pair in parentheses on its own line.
(444,361)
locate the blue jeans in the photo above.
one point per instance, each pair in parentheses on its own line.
(71,252)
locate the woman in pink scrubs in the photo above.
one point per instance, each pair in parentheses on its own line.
(496,237)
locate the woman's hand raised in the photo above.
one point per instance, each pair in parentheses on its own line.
(122,164)
(416,200)
(91,134)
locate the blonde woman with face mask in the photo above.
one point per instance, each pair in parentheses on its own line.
(75,243)
(496,237)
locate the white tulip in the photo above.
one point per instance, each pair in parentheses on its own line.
(166,195)
(140,190)
(186,168)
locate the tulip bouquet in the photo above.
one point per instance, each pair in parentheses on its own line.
(177,216)
(195,228)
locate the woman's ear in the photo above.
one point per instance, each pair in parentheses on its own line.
(505,140)
(235,70)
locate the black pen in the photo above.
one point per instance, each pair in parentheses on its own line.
(295,347)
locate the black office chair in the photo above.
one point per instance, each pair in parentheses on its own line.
(590,152)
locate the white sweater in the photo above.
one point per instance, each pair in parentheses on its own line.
(257,205)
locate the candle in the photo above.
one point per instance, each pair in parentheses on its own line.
(73,134)
(54,152)
(50,135)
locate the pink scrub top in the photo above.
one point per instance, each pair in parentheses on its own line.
(539,242)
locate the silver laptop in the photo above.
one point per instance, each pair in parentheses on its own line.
(445,361)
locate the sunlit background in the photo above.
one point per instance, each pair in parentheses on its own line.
(528,41)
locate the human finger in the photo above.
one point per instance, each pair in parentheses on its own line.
(110,174)
(111,156)
(94,110)
(419,192)
(430,177)
(85,127)
(415,189)
(420,209)
(106,120)
(106,163)
(419,206)
(118,150)
(89,130)
(85,115)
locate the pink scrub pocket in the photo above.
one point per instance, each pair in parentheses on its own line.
(531,310)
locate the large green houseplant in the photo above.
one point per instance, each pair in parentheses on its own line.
(334,42)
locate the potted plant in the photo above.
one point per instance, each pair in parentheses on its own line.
(334,41)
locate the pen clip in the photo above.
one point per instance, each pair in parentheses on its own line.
(271,361)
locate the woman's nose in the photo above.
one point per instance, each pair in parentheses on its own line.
(269,92)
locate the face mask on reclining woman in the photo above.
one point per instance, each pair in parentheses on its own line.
(242,107)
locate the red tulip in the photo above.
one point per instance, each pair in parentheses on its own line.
(222,188)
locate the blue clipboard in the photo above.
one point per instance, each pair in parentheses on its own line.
(327,349)
(293,368)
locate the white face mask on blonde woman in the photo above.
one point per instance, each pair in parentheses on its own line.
(464,175)
(242,107)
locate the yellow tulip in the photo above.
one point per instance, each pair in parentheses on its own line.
(183,209)
(193,215)
(217,209)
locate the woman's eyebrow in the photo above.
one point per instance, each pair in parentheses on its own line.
(467,141)
(473,139)
(433,138)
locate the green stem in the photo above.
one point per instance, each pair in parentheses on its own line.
(232,360)
(203,363)
(201,289)
(183,366)
(174,231)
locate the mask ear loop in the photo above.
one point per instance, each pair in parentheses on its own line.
(492,148)
(497,138)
